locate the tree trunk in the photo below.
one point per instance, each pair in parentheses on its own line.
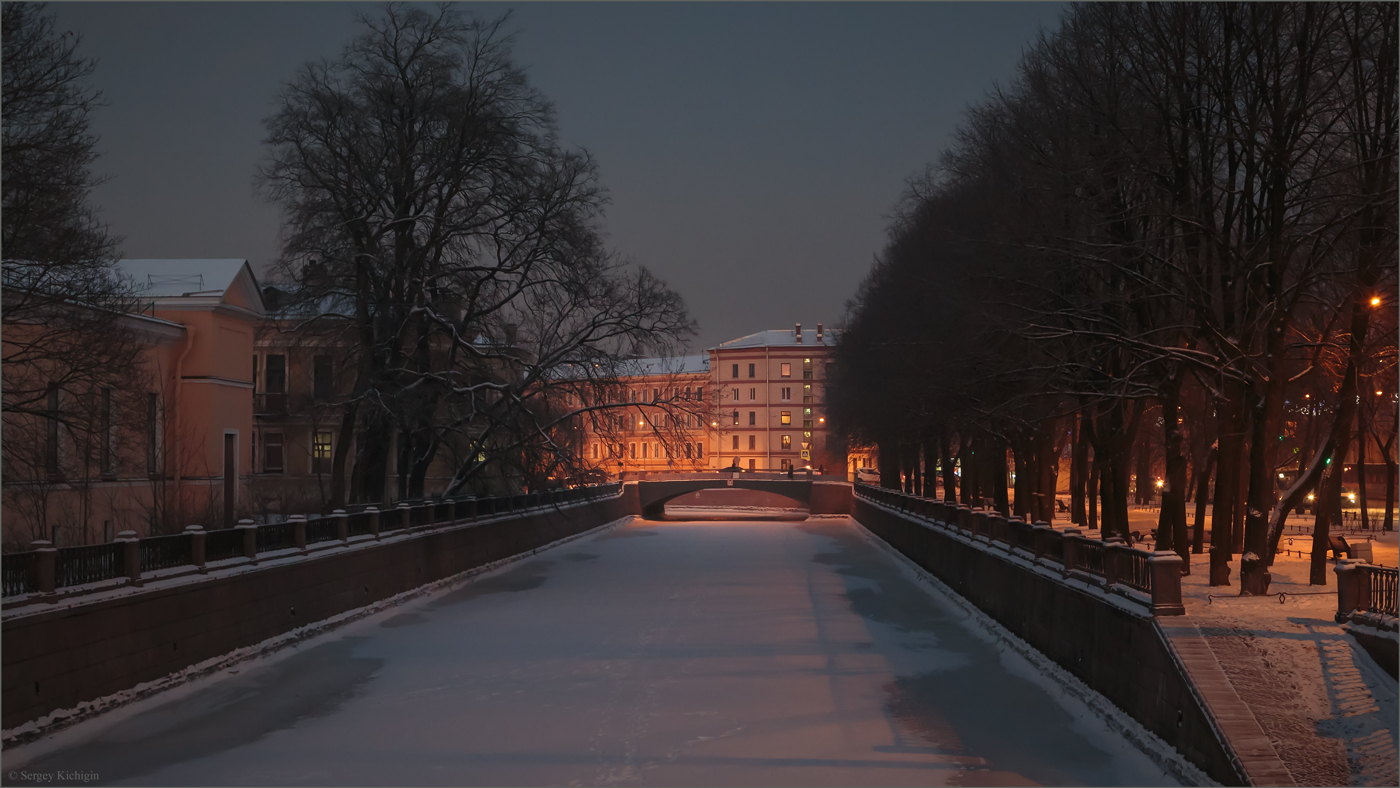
(1227,479)
(1171,523)
(889,464)
(342,453)
(1202,493)
(1361,466)
(1078,471)
(996,471)
(1091,519)
(1329,503)
(950,479)
(1390,476)
(1142,493)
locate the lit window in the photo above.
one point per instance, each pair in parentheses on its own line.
(787,417)
(786,371)
(321,452)
(787,442)
(736,418)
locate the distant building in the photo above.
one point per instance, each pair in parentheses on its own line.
(757,401)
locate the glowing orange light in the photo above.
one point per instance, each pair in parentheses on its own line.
(1376,301)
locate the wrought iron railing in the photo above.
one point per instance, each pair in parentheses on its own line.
(1381,582)
(165,552)
(223,544)
(322,529)
(276,536)
(17,570)
(358,523)
(88,564)
(1134,570)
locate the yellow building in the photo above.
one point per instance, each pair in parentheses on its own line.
(756,402)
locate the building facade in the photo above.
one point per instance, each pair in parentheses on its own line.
(756,402)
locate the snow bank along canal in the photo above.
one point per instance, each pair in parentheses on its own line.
(677,653)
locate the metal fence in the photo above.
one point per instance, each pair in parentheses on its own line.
(92,563)
(164,552)
(1134,570)
(276,536)
(88,564)
(18,573)
(223,544)
(1381,581)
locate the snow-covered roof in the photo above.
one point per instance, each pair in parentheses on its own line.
(675,365)
(780,338)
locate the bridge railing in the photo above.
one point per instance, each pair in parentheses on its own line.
(1149,578)
(1366,593)
(44,569)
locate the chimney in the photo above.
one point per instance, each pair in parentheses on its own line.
(819,333)
(798,332)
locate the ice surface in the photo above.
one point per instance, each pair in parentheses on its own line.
(676,653)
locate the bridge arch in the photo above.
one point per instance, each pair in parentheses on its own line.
(653,495)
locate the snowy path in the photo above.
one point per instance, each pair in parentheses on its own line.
(684,653)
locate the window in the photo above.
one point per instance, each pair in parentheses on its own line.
(787,392)
(51,434)
(321,452)
(751,463)
(786,371)
(751,371)
(656,395)
(687,393)
(807,413)
(807,394)
(736,418)
(736,371)
(272,451)
(787,442)
(786,464)
(276,374)
(644,451)
(108,457)
(633,449)
(322,384)
(699,451)
(736,443)
(753,441)
(753,394)
(595,451)
(736,395)
(255,372)
(787,417)
(699,392)
(634,395)
(687,451)
(753,418)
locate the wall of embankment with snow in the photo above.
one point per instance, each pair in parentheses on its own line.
(1113,645)
(60,656)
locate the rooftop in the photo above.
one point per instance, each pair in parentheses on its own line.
(780,338)
(181,277)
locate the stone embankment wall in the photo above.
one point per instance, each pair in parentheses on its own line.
(56,657)
(1121,653)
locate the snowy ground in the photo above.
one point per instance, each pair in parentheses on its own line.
(1329,710)
(677,653)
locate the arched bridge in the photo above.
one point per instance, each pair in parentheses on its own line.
(817,497)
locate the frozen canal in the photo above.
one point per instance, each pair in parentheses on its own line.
(680,653)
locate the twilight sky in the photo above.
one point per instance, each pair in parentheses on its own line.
(752,151)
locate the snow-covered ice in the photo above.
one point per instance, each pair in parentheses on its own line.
(676,653)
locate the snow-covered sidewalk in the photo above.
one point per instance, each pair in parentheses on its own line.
(1328,709)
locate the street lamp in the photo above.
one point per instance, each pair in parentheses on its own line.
(1375,300)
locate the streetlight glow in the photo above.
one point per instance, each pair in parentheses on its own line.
(1375,301)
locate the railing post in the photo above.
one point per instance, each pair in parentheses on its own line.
(45,565)
(372,514)
(342,525)
(450,510)
(249,530)
(1070,537)
(1166,583)
(131,556)
(405,516)
(468,505)
(1111,548)
(298,522)
(197,540)
(1350,581)
(1041,534)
